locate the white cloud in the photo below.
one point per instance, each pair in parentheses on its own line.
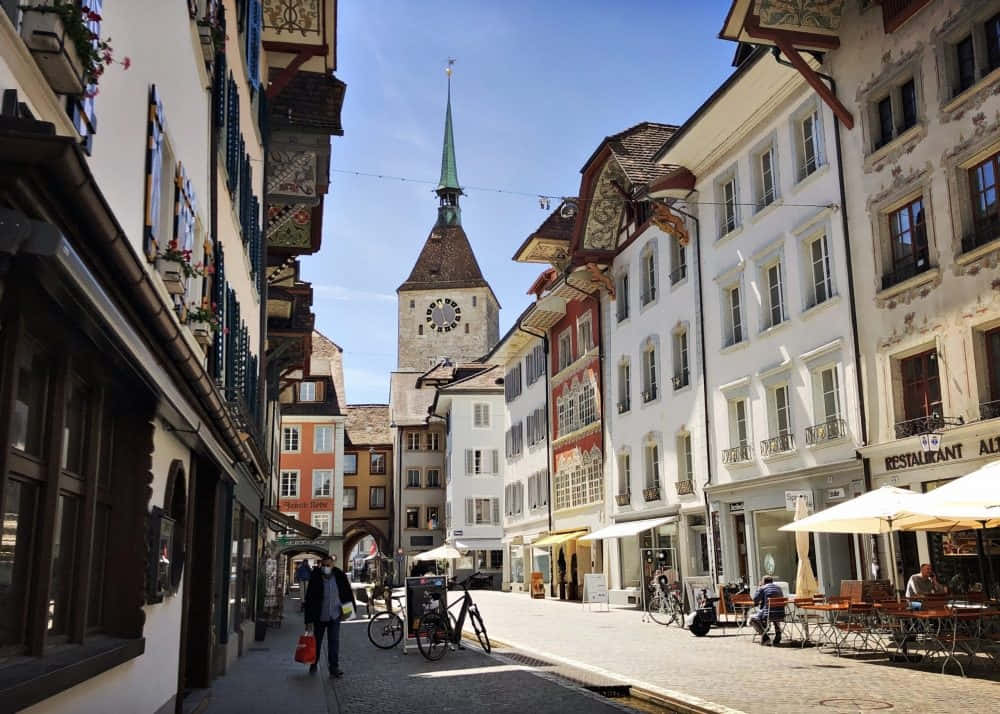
(346,294)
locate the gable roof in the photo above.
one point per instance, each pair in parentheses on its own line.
(409,403)
(368,424)
(446,261)
(635,148)
(484,379)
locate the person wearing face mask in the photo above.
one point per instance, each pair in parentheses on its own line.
(328,593)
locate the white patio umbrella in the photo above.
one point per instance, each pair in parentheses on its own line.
(974,497)
(805,580)
(442,552)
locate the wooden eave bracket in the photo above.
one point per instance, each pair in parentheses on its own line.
(785,41)
(670,223)
(281,80)
(600,277)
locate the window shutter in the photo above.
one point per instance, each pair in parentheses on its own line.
(496,461)
(470,511)
(496,509)
(154,172)
(469,462)
(220,91)
(253,43)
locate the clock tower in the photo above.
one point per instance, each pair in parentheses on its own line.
(446,307)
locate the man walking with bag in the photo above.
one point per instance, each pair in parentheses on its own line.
(329,599)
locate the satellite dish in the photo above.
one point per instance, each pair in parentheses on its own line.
(568,209)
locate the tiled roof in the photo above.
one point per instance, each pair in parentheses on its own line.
(368,424)
(556,227)
(636,147)
(408,402)
(310,100)
(486,378)
(446,261)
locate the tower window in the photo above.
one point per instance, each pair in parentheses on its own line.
(413,304)
(420,329)
(473,301)
(467,328)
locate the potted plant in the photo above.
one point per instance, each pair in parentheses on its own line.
(174,266)
(68,52)
(203,321)
(212,33)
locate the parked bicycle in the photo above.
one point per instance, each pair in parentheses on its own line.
(440,630)
(665,606)
(385,629)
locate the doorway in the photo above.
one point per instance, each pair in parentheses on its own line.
(740,525)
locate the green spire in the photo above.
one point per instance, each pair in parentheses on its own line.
(448,189)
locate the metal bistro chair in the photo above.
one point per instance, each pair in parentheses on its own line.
(742,606)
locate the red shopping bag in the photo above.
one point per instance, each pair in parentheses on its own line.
(306,650)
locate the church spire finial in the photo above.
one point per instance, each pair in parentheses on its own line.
(448,189)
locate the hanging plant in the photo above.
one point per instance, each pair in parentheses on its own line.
(205,313)
(174,254)
(95,54)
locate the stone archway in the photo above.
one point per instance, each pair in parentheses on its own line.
(356,530)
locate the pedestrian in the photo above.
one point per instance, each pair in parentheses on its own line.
(328,593)
(764,616)
(302,575)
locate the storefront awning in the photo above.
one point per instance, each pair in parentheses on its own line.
(283,522)
(478,544)
(556,539)
(631,528)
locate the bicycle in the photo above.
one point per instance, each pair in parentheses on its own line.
(665,606)
(439,633)
(385,629)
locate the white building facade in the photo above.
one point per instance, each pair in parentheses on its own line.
(780,349)
(655,418)
(473,409)
(526,510)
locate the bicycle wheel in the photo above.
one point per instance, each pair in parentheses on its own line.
(432,637)
(480,628)
(385,630)
(659,610)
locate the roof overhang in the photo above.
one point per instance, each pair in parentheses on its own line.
(757,21)
(547,311)
(280,522)
(677,184)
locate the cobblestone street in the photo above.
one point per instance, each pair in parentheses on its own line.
(267,679)
(718,671)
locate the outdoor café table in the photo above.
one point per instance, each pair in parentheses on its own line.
(827,629)
(933,631)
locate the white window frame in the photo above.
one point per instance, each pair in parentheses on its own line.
(323,521)
(481,415)
(769,269)
(650,371)
(648,268)
(624,385)
(727,192)
(780,410)
(347,461)
(307,391)
(765,168)
(410,470)
(328,491)
(319,447)
(584,324)
(653,463)
(730,314)
(565,343)
(685,457)
(820,393)
(735,419)
(812,112)
(353,490)
(678,262)
(286,431)
(413,441)
(482,462)
(436,482)
(622,296)
(821,238)
(682,358)
(433,441)
(293,480)
(624,472)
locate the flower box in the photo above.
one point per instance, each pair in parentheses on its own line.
(202,332)
(54,51)
(207,43)
(172,274)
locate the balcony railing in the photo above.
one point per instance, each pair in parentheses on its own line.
(650,394)
(623,499)
(624,406)
(919,263)
(737,454)
(681,380)
(829,430)
(986,230)
(678,273)
(925,425)
(685,487)
(246,423)
(651,493)
(989,410)
(780,444)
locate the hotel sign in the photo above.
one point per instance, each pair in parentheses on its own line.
(953,452)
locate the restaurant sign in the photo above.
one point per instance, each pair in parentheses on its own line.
(953,452)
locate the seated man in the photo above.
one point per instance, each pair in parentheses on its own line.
(759,621)
(924,583)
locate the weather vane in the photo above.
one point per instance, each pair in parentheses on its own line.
(448,70)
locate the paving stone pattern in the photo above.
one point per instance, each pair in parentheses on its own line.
(728,671)
(267,679)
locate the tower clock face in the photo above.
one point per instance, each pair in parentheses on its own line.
(444,314)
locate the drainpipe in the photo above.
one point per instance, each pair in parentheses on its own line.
(548,441)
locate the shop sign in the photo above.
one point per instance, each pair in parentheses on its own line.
(458,532)
(833,494)
(305,504)
(791,497)
(594,588)
(924,458)
(736,507)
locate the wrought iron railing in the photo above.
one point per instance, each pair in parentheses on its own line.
(829,430)
(685,487)
(986,230)
(737,454)
(623,499)
(989,410)
(919,263)
(780,444)
(681,379)
(925,425)
(246,424)
(651,493)
(678,273)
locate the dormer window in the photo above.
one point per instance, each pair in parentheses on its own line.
(307,391)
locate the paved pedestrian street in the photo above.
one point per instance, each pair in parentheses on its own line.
(720,672)
(267,679)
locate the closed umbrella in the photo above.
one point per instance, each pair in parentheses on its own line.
(805,580)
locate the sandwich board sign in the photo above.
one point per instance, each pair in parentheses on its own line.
(595,590)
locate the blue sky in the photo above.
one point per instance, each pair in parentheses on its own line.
(537,86)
